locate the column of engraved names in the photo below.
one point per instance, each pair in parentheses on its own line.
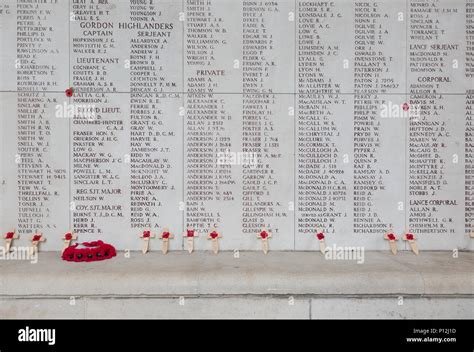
(469,163)
(211,188)
(379,68)
(323,144)
(42,175)
(436,87)
(469,128)
(155,125)
(267,128)
(98,133)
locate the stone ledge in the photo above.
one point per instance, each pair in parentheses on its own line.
(255,307)
(278,273)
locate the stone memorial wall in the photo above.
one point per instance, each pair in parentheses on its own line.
(351,117)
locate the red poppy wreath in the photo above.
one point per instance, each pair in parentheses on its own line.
(89,252)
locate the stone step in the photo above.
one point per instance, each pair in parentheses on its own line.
(277,285)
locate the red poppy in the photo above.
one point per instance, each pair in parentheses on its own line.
(320,236)
(214,235)
(68,236)
(391,237)
(405,107)
(410,236)
(165,235)
(264,234)
(10,235)
(190,233)
(69,92)
(36,238)
(146,234)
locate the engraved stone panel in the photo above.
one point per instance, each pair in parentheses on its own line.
(348,117)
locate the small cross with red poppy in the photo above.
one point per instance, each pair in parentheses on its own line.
(264,235)
(391,238)
(36,239)
(165,236)
(68,238)
(9,237)
(322,241)
(146,235)
(214,236)
(190,234)
(411,239)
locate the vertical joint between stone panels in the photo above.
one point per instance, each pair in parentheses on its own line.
(183,100)
(295,126)
(69,42)
(84,313)
(70,124)
(310,308)
(407,121)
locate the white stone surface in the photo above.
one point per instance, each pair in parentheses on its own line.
(390,308)
(303,84)
(286,273)
(251,307)
(288,285)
